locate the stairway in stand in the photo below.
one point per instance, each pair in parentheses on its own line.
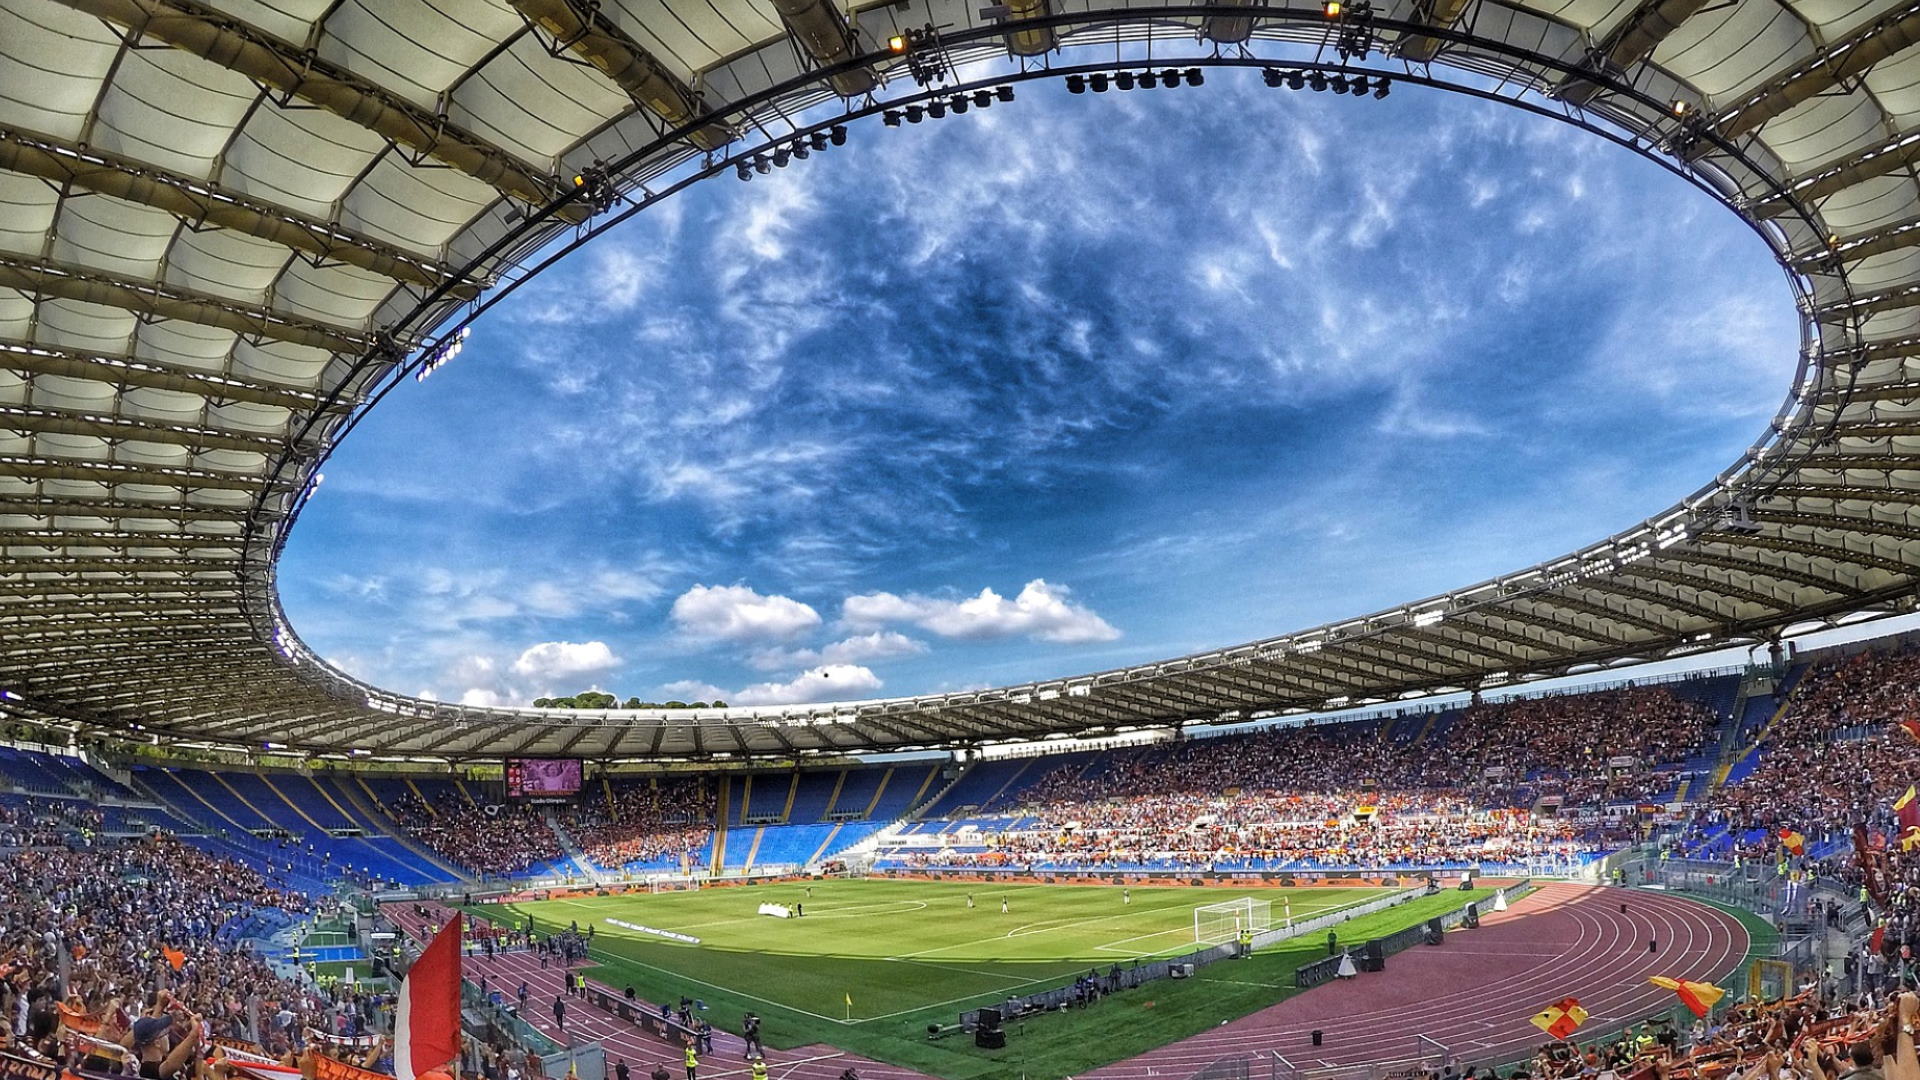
(574,853)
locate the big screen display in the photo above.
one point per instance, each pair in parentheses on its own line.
(542,778)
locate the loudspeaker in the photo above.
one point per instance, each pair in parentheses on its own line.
(1373,957)
(1317,1037)
(988,1019)
(990,1040)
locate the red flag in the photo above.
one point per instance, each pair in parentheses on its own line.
(1911,725)
(426,1031)
(1879,937)
(1795,843)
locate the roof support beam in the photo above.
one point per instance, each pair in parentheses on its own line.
(1601,611)
(199,203)
(1813,550)
(31,359)
(626,64)
(1441,14)
(1842,173)
(1894,299)
(297,72)
(42,420)
(819,28)
(1630,42)
(1463,642)
(1844,60)
(113,473)
(63,282)
(1701,584)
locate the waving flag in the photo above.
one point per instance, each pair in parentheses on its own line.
(175,958)
(1560,1019)
(1794,842)
(1696,996)
(426,1030)
(1911,725)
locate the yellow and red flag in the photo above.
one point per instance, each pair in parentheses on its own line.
(1911,725)
(1698,997)
(1793,841)
(1560,1019)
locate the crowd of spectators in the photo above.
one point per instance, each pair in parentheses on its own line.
(643,822)
(1836,755)
(659,823)
(127,943)
(1809,1036)
(489,839)
(1359,794)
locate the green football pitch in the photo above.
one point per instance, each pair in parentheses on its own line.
(900,947)
(913,953)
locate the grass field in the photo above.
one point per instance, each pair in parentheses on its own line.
(911,954)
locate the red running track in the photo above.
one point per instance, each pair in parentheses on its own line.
(589,1024)
(1473,993)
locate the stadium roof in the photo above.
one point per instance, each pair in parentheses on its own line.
(227,226)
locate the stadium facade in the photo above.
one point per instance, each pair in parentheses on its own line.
(228,229)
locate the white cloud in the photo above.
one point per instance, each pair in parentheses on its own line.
(565,659)
(693,690)
(1041,611)
(876,645)
(483,698)
(828,682)
(737,613)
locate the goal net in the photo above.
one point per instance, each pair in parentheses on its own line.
(1215,924)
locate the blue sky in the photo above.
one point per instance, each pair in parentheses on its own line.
(1065,384)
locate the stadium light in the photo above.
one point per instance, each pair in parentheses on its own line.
(837,134)
(1331,9)
(1098,82)
(897,44)
(1076,84)
(1170,78)
(743,170)
(1149,81)
(1195,77)
(891,118)
(1124,80)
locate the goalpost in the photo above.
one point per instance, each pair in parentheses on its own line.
(1216,924)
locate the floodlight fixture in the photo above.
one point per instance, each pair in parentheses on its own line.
(799,150)
(1317,80)
(915,114)
(742,170)
(1003,92)
(1296,80)
(958,104)
(1124,80)
(1339,83)
(937,109)
(1195,77)
(1098,82)
(837,134)
(891,118)
(1149,81)
(1382,88)
(982,98)
(818,139)
(1076,84)
(897,44)
(1270,76)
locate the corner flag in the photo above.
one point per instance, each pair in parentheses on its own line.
(426,1029)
